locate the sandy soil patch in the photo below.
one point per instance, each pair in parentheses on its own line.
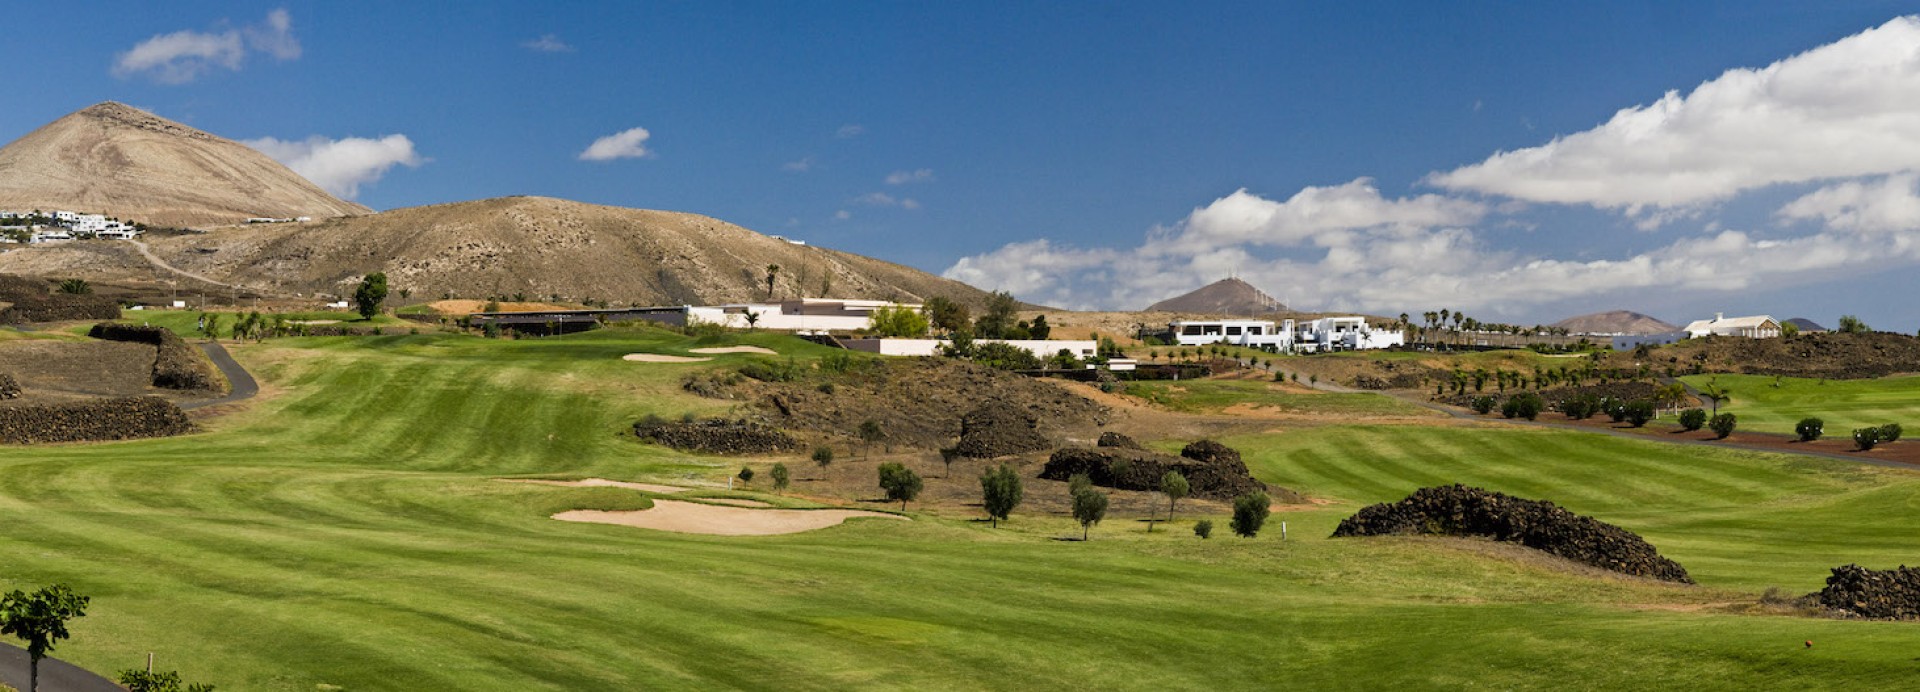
(736,502)
(601,483)
(714,520)
(313,321)
(738,349)
(658,358)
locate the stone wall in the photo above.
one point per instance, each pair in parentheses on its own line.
(32,301)
(9,387)
(100,419)
(998,429)
(716,436)
(1881,594)
(176,364)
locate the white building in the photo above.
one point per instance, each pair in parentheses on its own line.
(49,235)
(1042,348)
(1324,334)
(804,315)
(1754,327)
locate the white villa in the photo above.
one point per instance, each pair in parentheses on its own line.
(1754,327)
(1324,334)
(803,315)
(73,225)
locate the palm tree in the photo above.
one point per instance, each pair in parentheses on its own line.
(772,271)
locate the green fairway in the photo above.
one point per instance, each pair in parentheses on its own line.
(344,533)
(1843,404)
(186,323)
(1207,396)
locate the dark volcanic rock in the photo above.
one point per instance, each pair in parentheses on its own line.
(9,388)
(997,429)
(1114,439)
(716,436)
(30,300)
(1214,453)
(1891,594)
(176,364)
(1139,469)
(1458,510)
(102,419)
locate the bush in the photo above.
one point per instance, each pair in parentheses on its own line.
(1722,425)
(1693,419)
(1203,528)
(1523,405)
(780,477)
(901,483)
(823,456)
(1809,429)
(1250,513)
(1866,438)
(1482,405)
(1638,412)
(1890,432)
(783,371)
(1616,409)
(746,474)
(1580,408)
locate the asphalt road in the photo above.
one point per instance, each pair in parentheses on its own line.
(243,386)
(55,675)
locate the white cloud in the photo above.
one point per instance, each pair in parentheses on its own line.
(183,56)
(1321,213)
(882,199)
(1887,205)
(849,131)
(341,166)
(629,144)
(801,166)
(842,215)
(1850,108)
(924,175)
(548,43)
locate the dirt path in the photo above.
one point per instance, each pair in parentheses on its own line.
(162,264)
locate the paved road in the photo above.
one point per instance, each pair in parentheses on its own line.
(243,385)
(55,675)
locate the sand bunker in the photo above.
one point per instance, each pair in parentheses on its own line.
(601,483)
(313,321)
(738,349)
(657,358)
(714,520)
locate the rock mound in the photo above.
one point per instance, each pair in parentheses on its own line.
(1213,453)
(1890,594)
(9,387)
(1219,478)
(1458,510)
(918,401)
(176,364)
(1114,439)
(102,419)
(716,436)
(24,300)
(996,429)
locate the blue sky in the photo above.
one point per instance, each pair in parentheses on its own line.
(1340,157)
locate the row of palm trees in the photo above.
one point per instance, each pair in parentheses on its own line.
(1438,324)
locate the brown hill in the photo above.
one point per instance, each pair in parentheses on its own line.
(1615,322)
(1224,297)
(127,163)
(544,248)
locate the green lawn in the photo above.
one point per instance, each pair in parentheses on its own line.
(345,534)
(1208,396)
(1843,404)
(186,323)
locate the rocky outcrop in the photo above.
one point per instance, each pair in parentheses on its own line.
(176,364)
(1114,439)
(716,436)
(9,387)
(1126,468)
(1458,510)
(102,419)
(1890,594)
(997,429)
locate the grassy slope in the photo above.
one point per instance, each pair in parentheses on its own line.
(186,322)
(1842,404)
(1195,396)
(344,532)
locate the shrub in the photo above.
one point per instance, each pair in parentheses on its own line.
(1580,408)
(1616,409)
(784,371)
(1866,438)
(1482,405)
(746,474)
(1203,528)
(1250,513)
(1693,419)
(1523,405)
(1638,412)
(1890,432)
(1722,425)
(901,483)
(823,456)
(1809,429)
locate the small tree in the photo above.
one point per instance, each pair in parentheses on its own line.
(746,474)
(947,457)
(1722,425)
(1203,528)
(773,270)
(870,432)
(1250,513)
(1809,429)
(1175,487)
(1693,419)
(823,456)
(1890,433)
(1078,482)
(1639,411)
(372,291)
(1089,507)
(1000,491)
(897,321)
(1483,405)
(40,618)
(1850,324)
(780,477)
(901,483)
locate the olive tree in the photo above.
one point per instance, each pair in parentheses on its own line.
(1000,491)
(1250,513)
(780,477)
(901,483)
(1175,487)
(372,291)
(1089,507)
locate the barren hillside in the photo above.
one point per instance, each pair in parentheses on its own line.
(124,162)
(544,248)
(1615,322)
(1229,296)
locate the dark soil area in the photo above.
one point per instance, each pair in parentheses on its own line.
(57,370)
(1458,510)
(1829,355)
(1891,594)
(716,436)
(101,419)
(918,402)
(997,430)
(33,300)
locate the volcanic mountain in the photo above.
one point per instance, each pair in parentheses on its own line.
(133,165)
(1229,296)
(1615,322)
(543,248)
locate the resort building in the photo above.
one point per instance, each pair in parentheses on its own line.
(1324,334)
(1754,327)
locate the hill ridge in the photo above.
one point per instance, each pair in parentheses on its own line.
(1229,296)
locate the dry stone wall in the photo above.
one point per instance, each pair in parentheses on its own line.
(101,419)
(716,436)
(1880,594)
(29,300)
(9,387)
(176,364)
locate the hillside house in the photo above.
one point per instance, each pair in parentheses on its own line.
(1754,327)
(1324,334)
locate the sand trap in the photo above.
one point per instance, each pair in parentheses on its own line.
(737,502)
(657,358)
(313,321)
(738,349)
(713,520)
(601,483)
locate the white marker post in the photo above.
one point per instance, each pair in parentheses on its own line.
(1283,530)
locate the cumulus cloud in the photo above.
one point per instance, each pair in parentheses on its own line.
(183,56)
(548,43)
(341,166)
(1889,204)
(628,144)
(849,131)
(924,175)
(1847,109)
(881,199)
